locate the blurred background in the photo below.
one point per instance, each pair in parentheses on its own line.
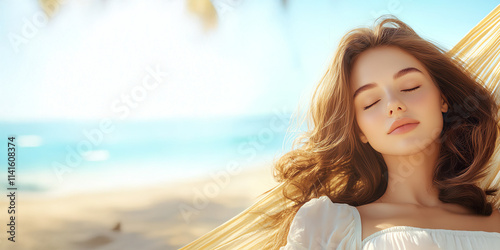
(148,123)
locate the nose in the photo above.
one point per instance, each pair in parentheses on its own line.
(395,106)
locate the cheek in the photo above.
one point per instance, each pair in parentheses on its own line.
(426,101)
(426,106)
(370,121)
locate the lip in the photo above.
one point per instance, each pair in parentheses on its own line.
(400,122)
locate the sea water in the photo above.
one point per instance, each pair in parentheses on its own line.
(69,156)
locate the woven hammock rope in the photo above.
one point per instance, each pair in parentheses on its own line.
(479,50)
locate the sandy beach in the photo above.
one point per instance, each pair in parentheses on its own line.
(166,216)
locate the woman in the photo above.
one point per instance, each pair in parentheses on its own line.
(401,135)
(350,184)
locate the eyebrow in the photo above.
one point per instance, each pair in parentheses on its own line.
(396,76)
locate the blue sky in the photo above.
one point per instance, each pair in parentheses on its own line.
(94,56)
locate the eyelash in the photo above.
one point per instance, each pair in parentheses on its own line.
(405,90)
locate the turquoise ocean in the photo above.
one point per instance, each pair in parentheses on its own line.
(79,156)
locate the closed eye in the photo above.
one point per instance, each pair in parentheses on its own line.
(404,90)
(409,90)
(367,107)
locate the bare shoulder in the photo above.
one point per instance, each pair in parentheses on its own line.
(384,210)
(495,219)
(489,223)
(379,216)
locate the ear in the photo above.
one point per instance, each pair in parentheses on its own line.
(363,138)
(444,104)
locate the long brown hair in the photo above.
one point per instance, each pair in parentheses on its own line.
(329,158)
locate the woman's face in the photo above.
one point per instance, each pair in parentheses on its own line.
(389,84)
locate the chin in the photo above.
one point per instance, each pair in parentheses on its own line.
(405,146)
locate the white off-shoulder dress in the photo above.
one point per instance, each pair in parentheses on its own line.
(322,224)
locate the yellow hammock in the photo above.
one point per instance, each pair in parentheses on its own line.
(479,49)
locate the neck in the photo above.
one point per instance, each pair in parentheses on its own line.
(410,178)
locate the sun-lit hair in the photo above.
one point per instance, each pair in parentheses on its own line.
(330,159)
